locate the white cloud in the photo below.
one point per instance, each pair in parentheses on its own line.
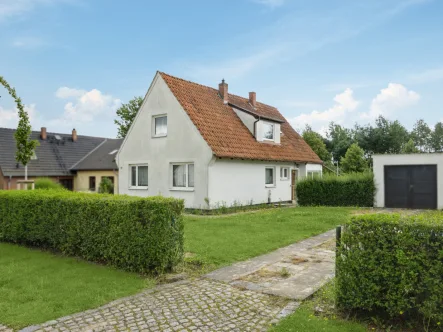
(9,117)
(85,105)
(271,3)
(395,96)
(13,8)
(344,103)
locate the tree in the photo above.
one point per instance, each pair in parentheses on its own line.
(354,160)
(410,147)
(25,145)
(340,140)
(317,144)
(437,138)
(388,136)
(126,113)
(422,136)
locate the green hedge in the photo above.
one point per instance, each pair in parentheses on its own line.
(47,184)
(393,264)
(136,234)
(356,189)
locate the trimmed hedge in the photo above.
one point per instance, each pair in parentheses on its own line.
(132,233)
(357,189)
(47,184)
(393,265)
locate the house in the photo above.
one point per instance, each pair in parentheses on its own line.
(210,147)
(55,156)
(409,180)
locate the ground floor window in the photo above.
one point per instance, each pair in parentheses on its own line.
(270,176)
(92,183)
(183,175)
(284,173)
(139,176)
(314,174)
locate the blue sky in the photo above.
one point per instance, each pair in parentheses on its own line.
(74,61)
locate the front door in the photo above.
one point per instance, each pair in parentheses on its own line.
(294,176)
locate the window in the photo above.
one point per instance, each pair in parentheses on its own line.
(160,126)
(183,176)
(92,183)
(268,131)
(284,173)
(314,174)
(139,176)
(269,176)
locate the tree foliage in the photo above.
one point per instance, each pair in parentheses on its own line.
(340,140)
(106,186)
(25,145)
(126,113)
(410,147)
(317,144)
(354,160)
(422,136)
(437,138)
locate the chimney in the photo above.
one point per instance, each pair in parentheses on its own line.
(252,99)
(74,135)
(43,134)
(223,90)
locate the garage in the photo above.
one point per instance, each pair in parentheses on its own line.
(408,181)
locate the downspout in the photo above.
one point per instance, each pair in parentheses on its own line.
(255,128)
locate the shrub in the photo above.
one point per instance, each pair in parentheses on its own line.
(393,264)
(106,186)
(356,189)
(47,184)
(136,234)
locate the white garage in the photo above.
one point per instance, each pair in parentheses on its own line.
(411,181)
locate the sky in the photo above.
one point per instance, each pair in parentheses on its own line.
(73,62)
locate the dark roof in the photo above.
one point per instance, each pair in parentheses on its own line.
(226,134)
(55,156)
(101,158)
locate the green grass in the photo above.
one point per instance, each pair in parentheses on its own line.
(222,240)
(38,286)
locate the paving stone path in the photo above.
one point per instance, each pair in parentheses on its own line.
(5,328)
(198,305)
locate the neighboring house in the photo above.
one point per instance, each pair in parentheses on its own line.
(409,180)
(208,146)
(53,158)
(96,165)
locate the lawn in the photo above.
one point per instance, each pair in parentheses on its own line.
(38,286)
(222,240)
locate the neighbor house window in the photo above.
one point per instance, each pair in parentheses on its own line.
(92,183)
(139,176)
(160,126)
(284,173)
(269,176)
(183,175)
(268,131)
(314,174)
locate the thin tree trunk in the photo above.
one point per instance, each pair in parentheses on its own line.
(26,172)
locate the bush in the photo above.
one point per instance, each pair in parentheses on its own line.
(356,189)
(47,184)
(106,186)
(136,234)
(393,265)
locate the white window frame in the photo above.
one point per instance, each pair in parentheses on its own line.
(154,117)
(273,184)
(186,187)
(136,177)
(282,173)
(273,131)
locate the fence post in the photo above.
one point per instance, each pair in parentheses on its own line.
(337,246)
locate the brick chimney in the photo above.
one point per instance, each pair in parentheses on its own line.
(252,98)
(223,90)
(74,135)
(43,134)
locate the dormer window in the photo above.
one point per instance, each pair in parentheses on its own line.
(268,131)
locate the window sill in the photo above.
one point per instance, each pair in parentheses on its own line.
(181,189)
(270,186)
(158,136)
(138,188)
(284,179)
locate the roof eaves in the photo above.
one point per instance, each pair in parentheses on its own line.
(257,116)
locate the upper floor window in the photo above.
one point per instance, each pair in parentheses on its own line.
(160,126)
(268,131)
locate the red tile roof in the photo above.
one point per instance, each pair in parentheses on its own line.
(226,134)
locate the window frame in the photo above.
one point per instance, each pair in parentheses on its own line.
(137,187)
(273,184)
(95,183)
(154,119)
(282,173)
(273,131)
(186,187)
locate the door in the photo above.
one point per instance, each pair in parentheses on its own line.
(67,183)
(294,176)
(412,186)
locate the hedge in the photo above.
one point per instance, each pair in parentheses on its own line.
(393,264)
(357,189)
(132,233)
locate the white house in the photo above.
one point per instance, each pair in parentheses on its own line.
(210,147)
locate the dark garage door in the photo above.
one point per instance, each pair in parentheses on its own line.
(413,187)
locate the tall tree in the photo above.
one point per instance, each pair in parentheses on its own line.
(354,160)
(388,136)
(25,145)
(340,140)
(126,113)
(422,136)
(317,144)
(410,147)
(437,138)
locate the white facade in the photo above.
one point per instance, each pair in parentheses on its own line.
(215,181)
(380,161)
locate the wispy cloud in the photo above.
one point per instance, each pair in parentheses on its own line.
(29,42)
(427,76)
(270,3)
(17,8)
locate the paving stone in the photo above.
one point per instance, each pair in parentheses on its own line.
(4,328)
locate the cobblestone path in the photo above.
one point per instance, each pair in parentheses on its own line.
(198,305)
